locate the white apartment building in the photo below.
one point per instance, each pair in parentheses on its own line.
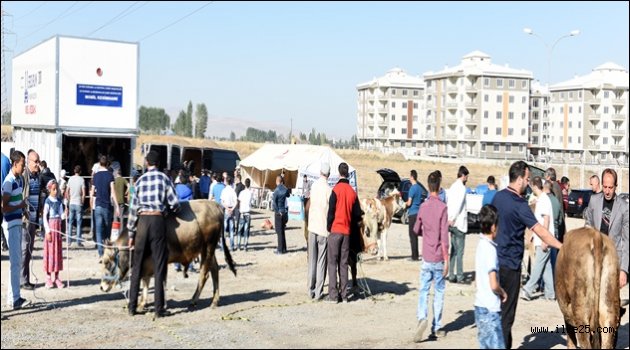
(589,117)
(388,111)
(477,109)
(538,121)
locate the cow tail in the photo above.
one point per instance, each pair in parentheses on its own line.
(598,247)
(226,250)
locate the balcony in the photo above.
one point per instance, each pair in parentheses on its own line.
(451,105)
(592,146)
(471,105)
(382,122)
(620,147)
(451,120)
(617,132)
(450,135)
(594,132)
(618,117)
(382,110)
(470,136)
(618,101)
(451,88)
(594,117)
(472,89)
(383,97)
(593,101)
(472,120)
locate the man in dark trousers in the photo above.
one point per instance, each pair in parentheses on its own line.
(279,205)
(344,211)
(147,216)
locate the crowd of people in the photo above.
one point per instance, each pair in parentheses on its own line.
(30,192)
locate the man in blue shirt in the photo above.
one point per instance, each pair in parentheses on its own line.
(6,167)
(204,184)
(279,205)
(492,190)
(514,216)
(101,197)
(413,202)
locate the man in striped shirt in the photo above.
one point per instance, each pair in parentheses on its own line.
(153,190)
(12,205)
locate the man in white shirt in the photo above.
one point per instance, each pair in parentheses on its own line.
(244,200)
(542,264)
(318,234)
(76,194)
(458,224)
(228,201)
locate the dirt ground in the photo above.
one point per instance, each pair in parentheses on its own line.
(265,306)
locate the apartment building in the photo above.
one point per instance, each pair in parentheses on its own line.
(538,121)
(388,111)
(588,117)
(477,109)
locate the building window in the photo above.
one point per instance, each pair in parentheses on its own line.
(511,115)
(570,124)
(606,110)
(415,118)
(523,99)
(485,114)
(499,115)
(580,94)
(579,139)
(429,83)
(415,105)
(393,130)
(483,147)
(393,91)
(486,82)
(508,148)
(605,125)
(561,124)
(393,117)
(605,140)
(570,95)
(523,84)
(499,83)
(510,131)
(520,148)
(562,95)
(404,92)
(429,98)
(415,131)
(535,128)
(535,102)
(523,132)
(498,131)
(579,123)
(523,116)
(403,131)
(579,109)
(570,109)
(570,139)
(415,92)
(404,105)
(393,104)
(485,98)
(402,143)
(496,147)
(404,118)
(485,130)
(606,94)
(511,99)
(499,98)
(561,109)
(511,83)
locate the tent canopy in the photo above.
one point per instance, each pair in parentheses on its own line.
(270,160)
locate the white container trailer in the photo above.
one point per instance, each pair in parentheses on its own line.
(75,98)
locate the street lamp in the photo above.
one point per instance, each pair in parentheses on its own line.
(529,31)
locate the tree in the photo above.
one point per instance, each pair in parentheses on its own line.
(201,120)
(302,136)
(232,136)
(179,128)
(188,129)
(152,119)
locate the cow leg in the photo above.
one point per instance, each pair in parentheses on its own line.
(571,339)
(214,272)
(203,274)
(609,301)
(145,293)
(384,239)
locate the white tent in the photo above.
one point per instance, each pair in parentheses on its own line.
(270,160)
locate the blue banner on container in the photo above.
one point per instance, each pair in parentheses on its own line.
(99,95)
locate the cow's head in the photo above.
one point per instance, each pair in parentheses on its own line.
(114,265)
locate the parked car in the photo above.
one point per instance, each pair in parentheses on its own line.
(392,181)
(578,201)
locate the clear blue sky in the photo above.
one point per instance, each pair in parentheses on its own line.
(268,62)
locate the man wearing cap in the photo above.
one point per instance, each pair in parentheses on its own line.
(153,190)
(318,234)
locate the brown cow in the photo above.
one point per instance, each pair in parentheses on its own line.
(194,231)
(587,288)
(377,219)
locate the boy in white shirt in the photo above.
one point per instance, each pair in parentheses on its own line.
(489,293)
(542,264)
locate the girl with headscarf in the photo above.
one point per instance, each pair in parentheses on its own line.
(54,213)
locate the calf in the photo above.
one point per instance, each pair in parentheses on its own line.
(377,220)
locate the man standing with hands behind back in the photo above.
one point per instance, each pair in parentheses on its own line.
(153,190)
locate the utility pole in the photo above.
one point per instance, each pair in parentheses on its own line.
(5,108)
(291,132)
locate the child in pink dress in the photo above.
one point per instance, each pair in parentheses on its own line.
(54,213)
